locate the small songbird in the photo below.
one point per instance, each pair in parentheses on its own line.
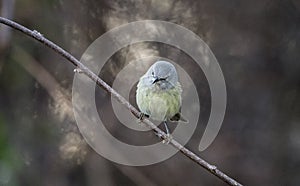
(158,94)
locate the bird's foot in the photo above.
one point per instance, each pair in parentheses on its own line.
(167,139)
(141,118)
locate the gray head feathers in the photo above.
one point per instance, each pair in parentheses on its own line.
(161,74)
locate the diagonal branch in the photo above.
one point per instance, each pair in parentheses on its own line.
(83,69)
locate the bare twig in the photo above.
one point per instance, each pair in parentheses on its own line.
(36,35)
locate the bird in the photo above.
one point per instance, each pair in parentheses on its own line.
(158,94)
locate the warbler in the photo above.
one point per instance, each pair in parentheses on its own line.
(158,93)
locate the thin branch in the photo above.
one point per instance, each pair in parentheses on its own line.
(36,35)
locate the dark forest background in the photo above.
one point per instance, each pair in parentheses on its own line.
(257,44)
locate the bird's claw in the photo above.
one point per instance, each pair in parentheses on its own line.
(167,139)
(140,120)
(141,117)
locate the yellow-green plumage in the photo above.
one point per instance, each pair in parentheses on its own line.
(159,104)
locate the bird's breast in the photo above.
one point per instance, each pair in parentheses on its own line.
(159,104)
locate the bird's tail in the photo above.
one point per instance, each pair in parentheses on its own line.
(179,118)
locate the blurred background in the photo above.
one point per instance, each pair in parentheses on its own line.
(256,43)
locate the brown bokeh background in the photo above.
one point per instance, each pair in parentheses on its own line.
(256,43)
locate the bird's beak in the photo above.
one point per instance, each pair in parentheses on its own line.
(158,79)
(155,80)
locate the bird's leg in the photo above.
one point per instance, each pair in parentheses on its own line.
(169,137)
(166,127)
(141,117)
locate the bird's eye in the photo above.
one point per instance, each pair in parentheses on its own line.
(152,73)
